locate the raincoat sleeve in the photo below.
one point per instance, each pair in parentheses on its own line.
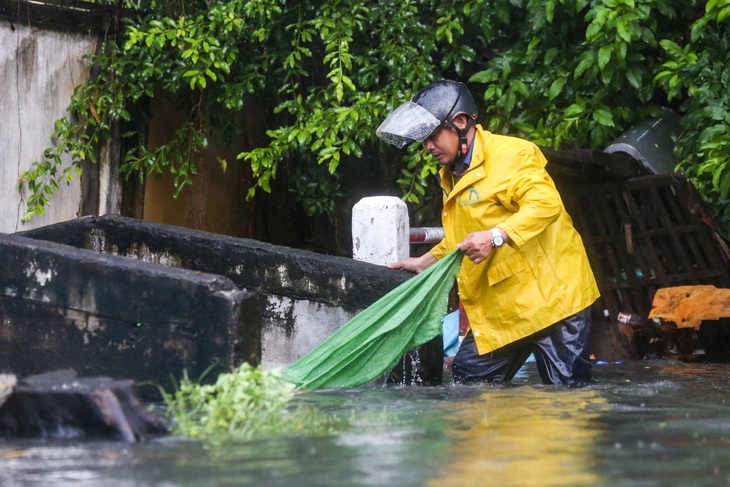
(440,250)
(531,196)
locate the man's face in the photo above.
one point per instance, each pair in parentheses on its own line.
(443,144)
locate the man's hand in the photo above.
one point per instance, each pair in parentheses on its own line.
(415,264)
(478,245)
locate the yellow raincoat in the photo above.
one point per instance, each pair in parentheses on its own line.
(544,276)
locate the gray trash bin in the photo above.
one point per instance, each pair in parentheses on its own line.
(650,142)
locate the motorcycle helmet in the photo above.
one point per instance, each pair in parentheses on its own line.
(435,105)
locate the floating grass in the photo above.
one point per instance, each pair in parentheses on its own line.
(249,402)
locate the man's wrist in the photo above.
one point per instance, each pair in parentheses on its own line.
(497,239)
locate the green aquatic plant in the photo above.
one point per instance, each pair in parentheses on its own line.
(246,403)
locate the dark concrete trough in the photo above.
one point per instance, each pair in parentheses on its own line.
(132,299)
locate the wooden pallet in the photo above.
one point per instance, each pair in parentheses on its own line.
(643,234)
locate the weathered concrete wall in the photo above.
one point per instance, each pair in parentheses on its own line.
(305,296)
(63,307)
(39,70)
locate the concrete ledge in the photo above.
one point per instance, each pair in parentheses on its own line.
(302,296)
(63,307)
(250,264)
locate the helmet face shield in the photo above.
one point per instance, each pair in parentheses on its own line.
(408,123)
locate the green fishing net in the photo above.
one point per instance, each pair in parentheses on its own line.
(373,341)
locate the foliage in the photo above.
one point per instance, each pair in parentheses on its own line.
(563,73)
(696,74)
(246,403)
(579,72)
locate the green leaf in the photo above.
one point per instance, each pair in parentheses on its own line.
(603,116)
(583,65)
(633,75)
(573,111)
(520,87)
(604,56)
(724,184)
(623,30)
(556,87)
(486,76)
(672,48)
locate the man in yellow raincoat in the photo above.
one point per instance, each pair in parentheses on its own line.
(527,285)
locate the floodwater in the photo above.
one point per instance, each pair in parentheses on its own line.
(643,423)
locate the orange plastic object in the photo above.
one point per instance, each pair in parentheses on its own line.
(688,306)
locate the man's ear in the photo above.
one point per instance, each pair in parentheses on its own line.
(460,121)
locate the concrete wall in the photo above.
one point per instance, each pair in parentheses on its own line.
(41,62)
(304,296)
(63,307)
(39,70)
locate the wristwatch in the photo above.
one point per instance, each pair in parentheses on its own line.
(497,238)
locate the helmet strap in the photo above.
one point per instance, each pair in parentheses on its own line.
(463,141)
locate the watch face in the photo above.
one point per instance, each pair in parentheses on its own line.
(497,240)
